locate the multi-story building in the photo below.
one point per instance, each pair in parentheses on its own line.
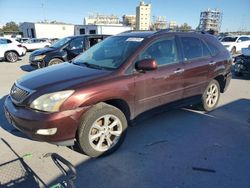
(98,19)
(210,20)
(159,22)
(143,12)
(172,25)
(129,20)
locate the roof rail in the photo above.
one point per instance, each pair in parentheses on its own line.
(130,31)
(181,30)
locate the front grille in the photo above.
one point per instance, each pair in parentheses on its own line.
(18,94)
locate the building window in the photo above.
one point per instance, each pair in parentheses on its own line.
(92,31)
(82,31)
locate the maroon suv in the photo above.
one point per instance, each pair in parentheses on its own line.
(91,99)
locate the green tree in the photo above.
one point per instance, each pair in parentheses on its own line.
(185,27)
(10,27)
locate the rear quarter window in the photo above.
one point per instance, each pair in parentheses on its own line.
(214,45)
(213,49)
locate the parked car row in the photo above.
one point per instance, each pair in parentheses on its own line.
(10,49)
(64,50)
(234,44)
(91,100)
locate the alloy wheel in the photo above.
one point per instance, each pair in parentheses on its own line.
(212,95)
(105,132)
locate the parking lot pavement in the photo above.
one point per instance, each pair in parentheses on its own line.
(177,148)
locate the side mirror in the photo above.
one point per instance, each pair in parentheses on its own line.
(146,65)
(239,41)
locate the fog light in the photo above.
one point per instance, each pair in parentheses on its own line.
(51,131)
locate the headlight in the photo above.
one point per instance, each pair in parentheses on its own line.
(39,57)
(51,102)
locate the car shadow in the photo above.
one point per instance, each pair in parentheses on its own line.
(177,148)
(27,68)
(16,172)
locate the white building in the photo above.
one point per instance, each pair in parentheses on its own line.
(98,19)
(46,30)
(100,29)
(143,12)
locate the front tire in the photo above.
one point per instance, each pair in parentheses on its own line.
(211,95)
(54,61)
(102,130)
(11,56)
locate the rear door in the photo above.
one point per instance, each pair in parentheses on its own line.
(161,86)
(244,42)
(196,58)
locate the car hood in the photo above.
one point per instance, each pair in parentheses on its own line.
(227,43)
(60,77)
(42,51)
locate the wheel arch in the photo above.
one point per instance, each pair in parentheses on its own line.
(222,82)
(121,105)
(10,51)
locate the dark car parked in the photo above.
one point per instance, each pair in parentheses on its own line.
(242,64)
(91,100)
(64,50)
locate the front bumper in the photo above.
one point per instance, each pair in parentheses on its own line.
(242,68)
(29,121)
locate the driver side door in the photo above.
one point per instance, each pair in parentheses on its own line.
(74,48)
(163,85)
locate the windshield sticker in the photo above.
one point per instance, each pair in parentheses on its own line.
(135,39)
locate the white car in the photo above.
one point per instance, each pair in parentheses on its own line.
(234,44)
(10,49)
(34,44)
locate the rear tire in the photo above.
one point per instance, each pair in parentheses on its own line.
(211,96)
(102,130)
(11,57)
(54,61)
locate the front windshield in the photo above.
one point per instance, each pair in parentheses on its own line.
(110,53)
(60,42)
(229,39)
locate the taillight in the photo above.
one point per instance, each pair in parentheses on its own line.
(19,45)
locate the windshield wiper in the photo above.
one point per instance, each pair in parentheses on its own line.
(88,65)
(94,66)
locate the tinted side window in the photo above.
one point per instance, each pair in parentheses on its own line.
(213,49)
(9,41)
(76,43)
(192,48)
(163,51)
(205,50)
(3,41)
(244,38)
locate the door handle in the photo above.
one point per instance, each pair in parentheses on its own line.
(179,71)
(212,63)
